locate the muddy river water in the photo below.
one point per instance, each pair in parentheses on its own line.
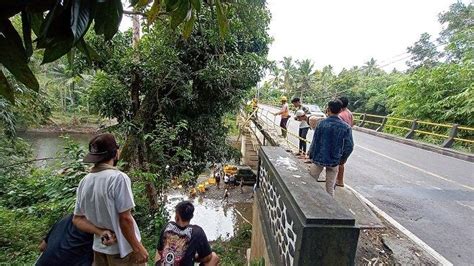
(218,219)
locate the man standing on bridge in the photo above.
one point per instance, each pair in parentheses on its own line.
(285,115)
(332,144)
(300,115)
(346,116)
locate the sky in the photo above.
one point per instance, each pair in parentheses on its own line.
(346,33)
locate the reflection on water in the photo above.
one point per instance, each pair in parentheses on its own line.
(45,145)
(216,218)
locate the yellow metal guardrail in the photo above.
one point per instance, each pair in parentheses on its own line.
(369,119)
(382,122)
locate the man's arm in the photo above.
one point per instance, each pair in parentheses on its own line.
(127,225)
(348,145)
(85,225)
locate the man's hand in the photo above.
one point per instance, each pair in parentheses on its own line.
(140,255)
(108,238)
(42,246)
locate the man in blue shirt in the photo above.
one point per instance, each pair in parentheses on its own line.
(65,244)
(332,144)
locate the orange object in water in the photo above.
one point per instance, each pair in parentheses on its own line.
(201,188)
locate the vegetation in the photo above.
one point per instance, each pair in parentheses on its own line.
(59,28)
(173,95)
(437,87)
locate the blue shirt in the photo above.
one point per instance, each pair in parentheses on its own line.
(67,245)
(332,142)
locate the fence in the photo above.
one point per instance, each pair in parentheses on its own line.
(414,127)
(449,134)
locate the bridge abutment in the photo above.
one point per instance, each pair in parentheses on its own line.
(295,221)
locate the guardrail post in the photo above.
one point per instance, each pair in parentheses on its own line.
(380,128)
(452,134)
(414,126)
(363,120)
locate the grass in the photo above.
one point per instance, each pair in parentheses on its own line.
(233,251)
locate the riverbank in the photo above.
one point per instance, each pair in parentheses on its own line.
(75,123)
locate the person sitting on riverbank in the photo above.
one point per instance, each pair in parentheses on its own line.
(65,244)
(182,243)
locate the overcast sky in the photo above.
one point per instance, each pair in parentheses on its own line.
(345,33)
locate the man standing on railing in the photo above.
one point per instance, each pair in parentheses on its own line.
(332,144)
(346,116)
(285,115)
(301,115)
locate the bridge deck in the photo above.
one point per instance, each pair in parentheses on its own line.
(430,194)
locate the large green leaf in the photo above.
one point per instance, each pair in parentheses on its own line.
(81,17)
(154,11)
(107,18)
(180,13)
(171,5)
(56,35)
(188,26)
(36,20)
(26,28)
(141,3)
(88,51)
(13,55)
(5,89)
(196,5)
(222,19)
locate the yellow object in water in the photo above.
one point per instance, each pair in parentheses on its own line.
(201,188)
(211,181)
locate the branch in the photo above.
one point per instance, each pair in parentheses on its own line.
(131,13)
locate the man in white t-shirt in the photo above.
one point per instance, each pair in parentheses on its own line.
(103,207)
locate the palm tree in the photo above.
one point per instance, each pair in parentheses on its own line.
(288,73)
(304,75)
(370,67)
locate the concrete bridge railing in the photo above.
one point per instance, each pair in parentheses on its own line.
(295,221)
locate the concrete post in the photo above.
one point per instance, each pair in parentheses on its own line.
(414,126)
(448,143)
(364,116)
(380,128)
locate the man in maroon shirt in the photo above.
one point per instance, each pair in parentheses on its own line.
(346,116)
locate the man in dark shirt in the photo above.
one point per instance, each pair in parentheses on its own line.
(182,243)
(65,244)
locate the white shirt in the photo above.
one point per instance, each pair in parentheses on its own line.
(101,196)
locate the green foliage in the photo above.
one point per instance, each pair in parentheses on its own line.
(442,94)
(61,26)
(185,87)
(108,96)
(423,53)
(233,251)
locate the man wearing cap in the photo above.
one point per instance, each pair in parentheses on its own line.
(285,115)
(103,207)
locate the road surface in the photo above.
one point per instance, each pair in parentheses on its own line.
(430,194)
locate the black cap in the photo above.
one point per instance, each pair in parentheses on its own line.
(102,147)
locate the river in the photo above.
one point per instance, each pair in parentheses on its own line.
(218,219)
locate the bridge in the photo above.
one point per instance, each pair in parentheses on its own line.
(429,194)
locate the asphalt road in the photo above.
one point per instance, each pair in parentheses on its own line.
(430,194)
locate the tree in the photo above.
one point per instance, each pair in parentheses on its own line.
(423,53)
(304,75)
(458,32)
(186,88)
(66,23)
(288,70)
